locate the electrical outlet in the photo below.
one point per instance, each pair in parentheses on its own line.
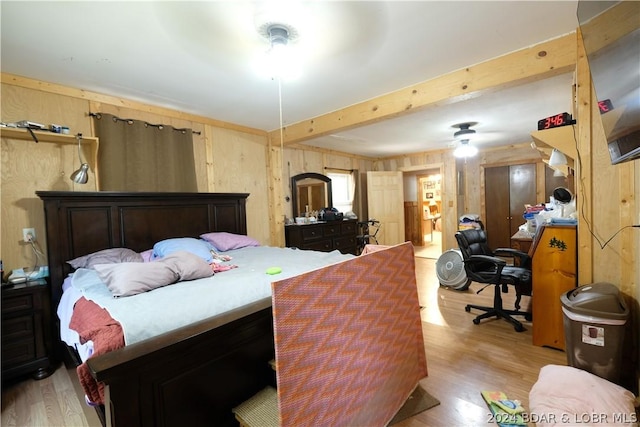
(29,234)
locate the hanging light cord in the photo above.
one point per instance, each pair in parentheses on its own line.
(281,121)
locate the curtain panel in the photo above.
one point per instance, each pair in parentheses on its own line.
(137,156)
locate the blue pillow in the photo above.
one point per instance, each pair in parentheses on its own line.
(188,244)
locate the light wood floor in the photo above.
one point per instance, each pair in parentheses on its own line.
(462,358)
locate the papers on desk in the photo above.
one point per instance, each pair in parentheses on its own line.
(563,221)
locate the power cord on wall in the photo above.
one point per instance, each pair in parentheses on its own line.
(602,245)
(36,251)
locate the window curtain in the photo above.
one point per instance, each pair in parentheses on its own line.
(138,156)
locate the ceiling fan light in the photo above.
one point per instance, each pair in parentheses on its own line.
(465,149)
(557,158)
(465,133)
(278,36)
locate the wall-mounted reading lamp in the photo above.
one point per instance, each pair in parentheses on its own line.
(81,176)
(557,158)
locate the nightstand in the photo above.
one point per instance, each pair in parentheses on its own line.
(26,330)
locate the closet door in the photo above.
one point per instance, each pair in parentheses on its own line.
(507,190)
(496,196)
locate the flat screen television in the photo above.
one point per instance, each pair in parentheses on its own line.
(611,36)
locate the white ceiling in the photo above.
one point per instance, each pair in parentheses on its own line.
(199,57)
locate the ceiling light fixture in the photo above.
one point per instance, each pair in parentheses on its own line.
(465,149)
(278,36)
(81,176)
(279,61)
(464,132)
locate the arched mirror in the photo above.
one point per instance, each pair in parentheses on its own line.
(310,192)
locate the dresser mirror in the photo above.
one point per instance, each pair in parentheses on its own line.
(310,192)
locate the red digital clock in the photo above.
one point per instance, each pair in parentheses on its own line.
(562,119)
(605,106)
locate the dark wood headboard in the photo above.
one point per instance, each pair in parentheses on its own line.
(80,223)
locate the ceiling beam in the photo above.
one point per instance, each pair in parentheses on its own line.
(538,62)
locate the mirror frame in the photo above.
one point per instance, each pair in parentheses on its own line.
(309,175)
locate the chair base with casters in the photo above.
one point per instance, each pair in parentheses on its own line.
(498,311)
(487,266)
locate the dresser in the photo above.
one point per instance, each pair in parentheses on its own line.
(26,330)
(323,236)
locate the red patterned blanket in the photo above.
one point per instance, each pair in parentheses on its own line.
(96,324)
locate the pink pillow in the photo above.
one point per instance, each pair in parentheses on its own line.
(223,241)
(146,255)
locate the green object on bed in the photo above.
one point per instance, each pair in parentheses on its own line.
(274,270)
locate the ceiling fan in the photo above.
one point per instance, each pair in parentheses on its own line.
(464,135)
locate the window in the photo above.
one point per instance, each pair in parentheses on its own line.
(342,190)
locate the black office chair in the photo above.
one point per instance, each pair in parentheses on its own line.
(484,266)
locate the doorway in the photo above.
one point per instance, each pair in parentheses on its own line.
(423,211)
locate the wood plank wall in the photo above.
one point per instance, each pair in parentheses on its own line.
(229,158)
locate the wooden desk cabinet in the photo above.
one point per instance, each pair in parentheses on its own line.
(323,236)
(554,273)
(26,330)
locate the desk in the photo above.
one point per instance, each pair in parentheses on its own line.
(432,221)
(521,241)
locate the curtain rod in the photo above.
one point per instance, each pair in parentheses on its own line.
(338,169)
(130,121)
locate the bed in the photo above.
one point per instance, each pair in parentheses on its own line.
(196,374)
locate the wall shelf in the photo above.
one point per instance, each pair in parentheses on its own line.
(89,144)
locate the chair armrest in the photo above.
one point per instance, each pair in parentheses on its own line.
(525,259)
(478,259)
(498,264)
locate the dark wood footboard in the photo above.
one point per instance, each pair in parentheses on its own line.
(193,376)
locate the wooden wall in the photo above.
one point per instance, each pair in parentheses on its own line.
(301,160)
(229,158)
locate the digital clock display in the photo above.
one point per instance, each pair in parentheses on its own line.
(562,119)
(605,106)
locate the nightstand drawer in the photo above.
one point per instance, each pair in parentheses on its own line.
(16,328)
(17,303)
(18,352)
(26,330)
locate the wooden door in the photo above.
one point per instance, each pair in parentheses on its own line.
(507,190)
(386,204)
(496,194)
(412,219)
(522,191)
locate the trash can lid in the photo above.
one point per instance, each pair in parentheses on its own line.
(597,299)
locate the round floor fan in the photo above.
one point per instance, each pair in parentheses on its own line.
(450,270)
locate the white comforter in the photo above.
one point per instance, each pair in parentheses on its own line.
(152,313)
